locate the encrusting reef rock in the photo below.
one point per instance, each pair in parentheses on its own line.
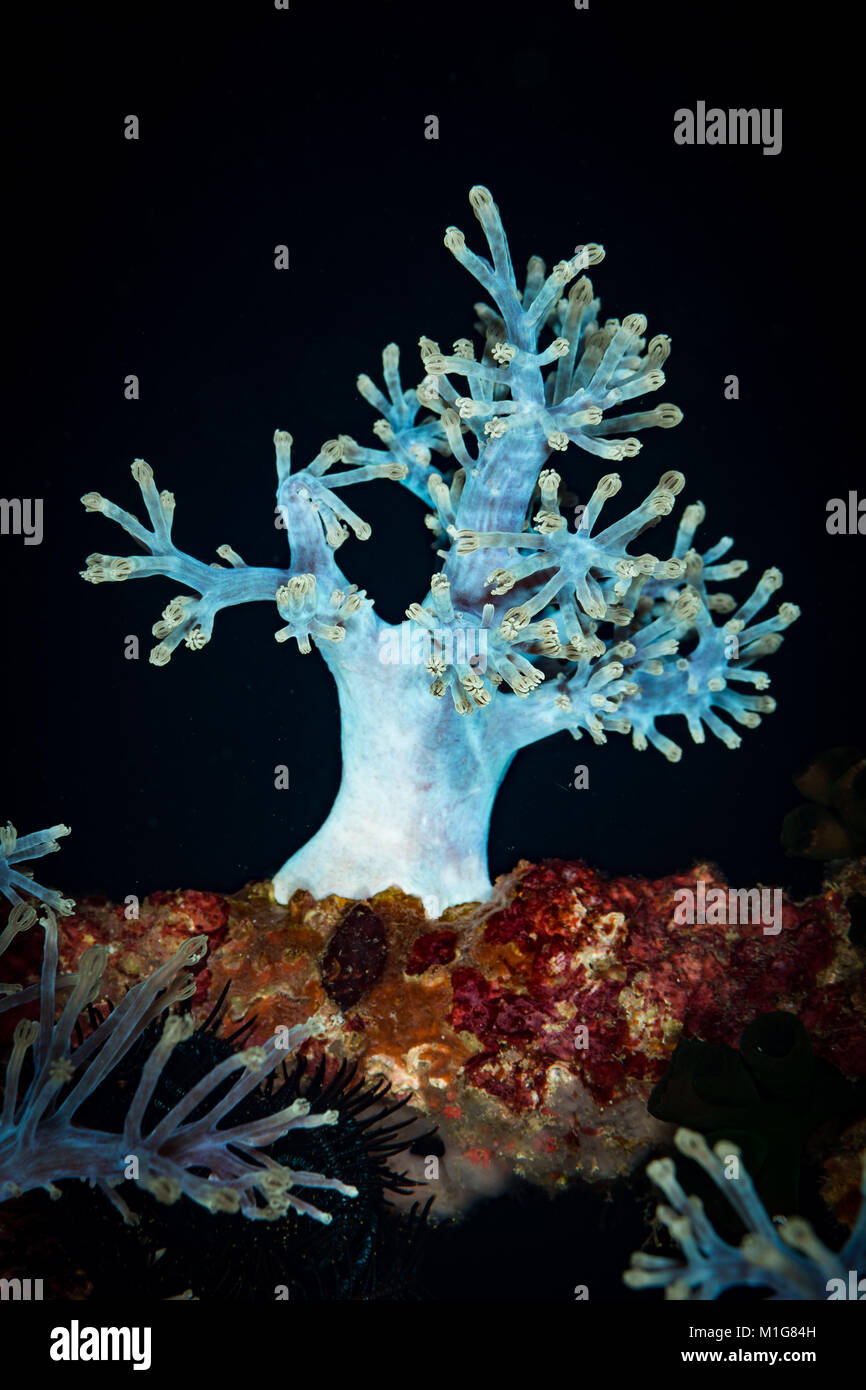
(530,1028)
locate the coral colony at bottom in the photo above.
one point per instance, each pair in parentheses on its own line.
(282,1092)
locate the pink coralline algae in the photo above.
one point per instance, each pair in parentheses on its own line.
(574,951)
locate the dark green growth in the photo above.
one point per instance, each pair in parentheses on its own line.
(767,1097)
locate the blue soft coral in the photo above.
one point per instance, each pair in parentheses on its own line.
(595,635)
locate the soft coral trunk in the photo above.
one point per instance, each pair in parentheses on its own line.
(415,799)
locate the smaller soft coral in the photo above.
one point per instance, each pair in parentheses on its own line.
(768,1095)
(788,1259)
(14,849)
(194,1150)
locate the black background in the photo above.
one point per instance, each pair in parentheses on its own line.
(306,127)
(155,257)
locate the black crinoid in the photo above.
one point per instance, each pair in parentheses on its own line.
(360,1247)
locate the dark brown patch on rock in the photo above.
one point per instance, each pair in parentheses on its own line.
(355,956)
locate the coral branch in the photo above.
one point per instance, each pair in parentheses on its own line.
(185,619)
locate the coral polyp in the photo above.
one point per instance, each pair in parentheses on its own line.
(531,625)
